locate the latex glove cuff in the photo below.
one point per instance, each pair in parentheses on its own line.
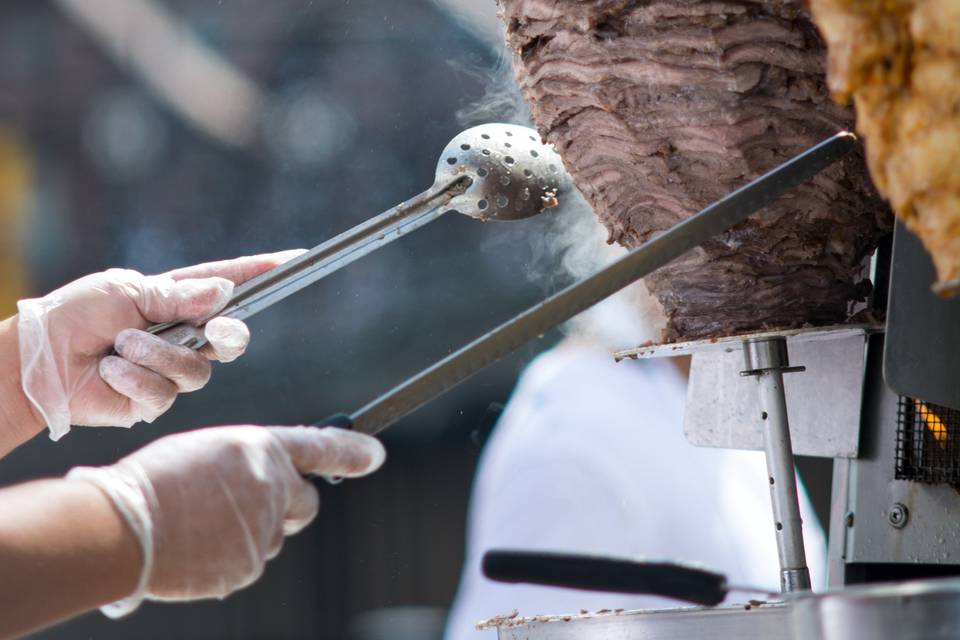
(128,498)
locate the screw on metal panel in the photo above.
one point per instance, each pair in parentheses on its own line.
(848,519)
(898,516)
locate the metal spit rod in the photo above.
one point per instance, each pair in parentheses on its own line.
(767,360)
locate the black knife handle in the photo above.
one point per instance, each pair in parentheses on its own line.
(600,573)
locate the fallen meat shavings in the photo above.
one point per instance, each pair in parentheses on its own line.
(498,621)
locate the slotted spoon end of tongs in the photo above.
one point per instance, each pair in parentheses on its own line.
(513,173)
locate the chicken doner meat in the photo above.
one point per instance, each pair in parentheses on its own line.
(659,108)
(900,61)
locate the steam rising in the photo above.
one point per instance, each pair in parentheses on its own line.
(572,244)
(501,100)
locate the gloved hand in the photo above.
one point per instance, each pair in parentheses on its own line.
(65,338)
(210,507)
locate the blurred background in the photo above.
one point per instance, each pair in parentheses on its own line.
(150,135)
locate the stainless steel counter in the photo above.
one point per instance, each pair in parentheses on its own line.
(915,610)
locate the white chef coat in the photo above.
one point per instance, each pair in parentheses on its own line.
(590,456)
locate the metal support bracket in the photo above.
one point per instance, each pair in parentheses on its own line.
(767,360)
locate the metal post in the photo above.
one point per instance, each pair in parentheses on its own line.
(767,360)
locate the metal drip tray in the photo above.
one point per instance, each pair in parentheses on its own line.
(823,402)
(920,610)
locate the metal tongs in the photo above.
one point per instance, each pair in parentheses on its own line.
(536,321)
(489,172)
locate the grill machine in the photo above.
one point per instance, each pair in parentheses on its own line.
(465,184)
(882,399)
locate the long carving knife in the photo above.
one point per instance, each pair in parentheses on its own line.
(557,309)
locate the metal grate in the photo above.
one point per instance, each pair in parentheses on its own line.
(928,442)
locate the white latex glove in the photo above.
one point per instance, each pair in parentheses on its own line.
(210,507)
(65,338)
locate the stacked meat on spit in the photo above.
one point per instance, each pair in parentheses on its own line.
(660,108)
